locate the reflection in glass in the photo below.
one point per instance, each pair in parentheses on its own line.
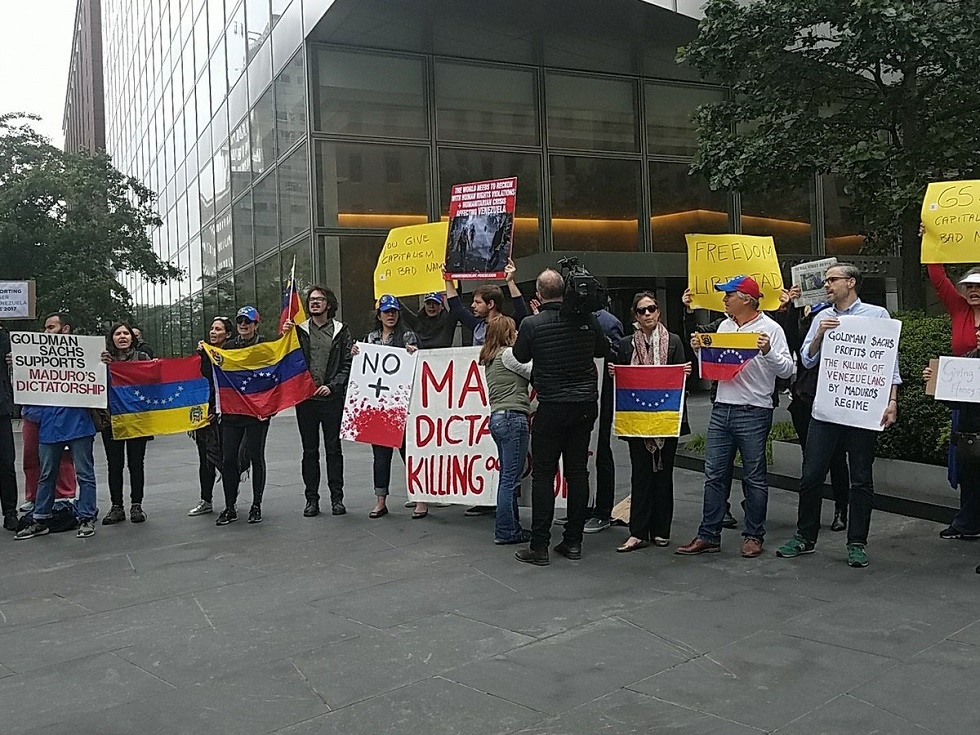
(224,243)
(358,258)
(460,166)
(843,227)
(241,159)
(257,21)
(681,204)
(366,185)
(365,94)
(209,254)
(206,184)
(485,105)
(595,204)
(784,215)
(670,117)
(303,253)
(222,178)
(263,132)
(294,194)
(237,45)
(245,293)
(589,113)
(268,293)
(265,214)
(291,103)
(241,218)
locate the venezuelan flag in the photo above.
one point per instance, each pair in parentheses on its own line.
(649,400)
(292,304)
(263,379)
(157,397)
(723,355)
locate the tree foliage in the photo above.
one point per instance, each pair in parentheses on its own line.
(72,222)
(883,94)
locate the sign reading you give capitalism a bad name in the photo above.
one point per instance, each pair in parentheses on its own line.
(58,370)
(857,363)
(410,262)
(951,222)
(715,259)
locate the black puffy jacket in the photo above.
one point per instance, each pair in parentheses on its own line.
(563,349)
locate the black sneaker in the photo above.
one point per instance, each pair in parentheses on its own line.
(538,557)
(569,551)
(136,514)
(116,514)
(228,515)
(952,534)
(34,528)
(255,514)
(10,520)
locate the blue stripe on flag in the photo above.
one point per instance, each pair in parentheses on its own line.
(649,400)
(262,379)
(727,355)
(129,399)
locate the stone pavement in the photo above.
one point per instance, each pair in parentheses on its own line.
(349,625)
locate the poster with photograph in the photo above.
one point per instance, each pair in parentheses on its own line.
(809,277)
(481,229)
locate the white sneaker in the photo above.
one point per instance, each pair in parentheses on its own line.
(86,529)
(202,508)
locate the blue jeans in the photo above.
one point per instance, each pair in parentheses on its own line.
(50,458)
(509,430)
(745,429)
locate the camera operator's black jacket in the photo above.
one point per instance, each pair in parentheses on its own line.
(563,348)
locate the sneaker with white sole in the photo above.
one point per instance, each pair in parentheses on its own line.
(34,528)
(595,525)
(202,508)
(86,529)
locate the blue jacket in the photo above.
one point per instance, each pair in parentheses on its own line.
(58,424)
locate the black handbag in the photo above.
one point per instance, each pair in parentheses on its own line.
(967,448)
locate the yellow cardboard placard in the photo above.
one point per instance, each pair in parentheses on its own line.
(715,259)
(951,222)
(410,262)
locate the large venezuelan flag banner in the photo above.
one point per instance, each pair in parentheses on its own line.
(723,355)
(649,400)
(154,397)
(263,379)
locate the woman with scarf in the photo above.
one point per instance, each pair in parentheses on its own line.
(651,460)
(121,347)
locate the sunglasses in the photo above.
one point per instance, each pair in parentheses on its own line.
(243,320)
(647,309)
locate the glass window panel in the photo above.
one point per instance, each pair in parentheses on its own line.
(260,71)
(245,291)
(241,159)
(265,215)
(257,20)
(303,254)
(216,18)
(204,148)
(460,166)
(670,117)
(485,105)
(844,229)
(365,185)
(364,94)
(263,131)
(681,203)
(593,114)
(242,231)
(193,278)
(236,44)
(202,93)
(358,258)
(201,45)
(219,128)
(209,253)
(268,292)
(181,231)
(279,7)
(219,75)
(206,184)
(193,209)
(287,36)
(595,204)
(294,194)
(291,104)
(222,178)
(784,215)
(225,297)
(224,243)
(238,101)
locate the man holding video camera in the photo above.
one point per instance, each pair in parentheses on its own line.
(562,339)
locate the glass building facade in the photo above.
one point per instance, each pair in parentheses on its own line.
(276,130)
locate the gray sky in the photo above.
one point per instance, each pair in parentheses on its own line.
(35,46)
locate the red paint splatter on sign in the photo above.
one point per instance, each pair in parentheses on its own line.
(381,425)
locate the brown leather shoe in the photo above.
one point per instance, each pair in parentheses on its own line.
(698,546)
(751,548)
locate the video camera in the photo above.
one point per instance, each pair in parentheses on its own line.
(583,292)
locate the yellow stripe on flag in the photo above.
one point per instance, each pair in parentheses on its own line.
(256,357)
(734,340)
(647,424)
(157,423)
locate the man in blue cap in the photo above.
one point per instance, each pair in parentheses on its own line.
(433,324)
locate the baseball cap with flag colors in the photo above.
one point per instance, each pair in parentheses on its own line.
(248,312)
(741,284)
(388,303)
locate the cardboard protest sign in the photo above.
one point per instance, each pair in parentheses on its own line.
(958,379)
(378,395)
(715,259)
(857,362)
(931,383)
(58,370)
(411,260)
(481,229)
(809,277)
(17,300)
(951,222)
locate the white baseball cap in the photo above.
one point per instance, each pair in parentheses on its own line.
(970,278)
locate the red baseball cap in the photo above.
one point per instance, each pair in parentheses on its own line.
(742,284)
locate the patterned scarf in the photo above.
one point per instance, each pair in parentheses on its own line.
(652,354)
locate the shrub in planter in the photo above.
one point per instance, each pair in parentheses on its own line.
(922,431)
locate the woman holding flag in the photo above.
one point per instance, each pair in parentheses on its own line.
(651,459)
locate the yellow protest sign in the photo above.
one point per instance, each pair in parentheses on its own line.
(951,222)
(715,259)
(411,260)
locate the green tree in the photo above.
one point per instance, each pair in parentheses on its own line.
(883,94)
(72,222)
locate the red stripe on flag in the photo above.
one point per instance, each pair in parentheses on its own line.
(263,405)
(152,372)
(667,377)
(720,370)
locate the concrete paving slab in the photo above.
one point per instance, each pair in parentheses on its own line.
(845,715)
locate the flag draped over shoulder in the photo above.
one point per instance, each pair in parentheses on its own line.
(723,355)
(649,400)
(152,397)
(263,379)
(292,304)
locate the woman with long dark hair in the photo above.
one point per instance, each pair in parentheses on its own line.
(208,438)
(121,347)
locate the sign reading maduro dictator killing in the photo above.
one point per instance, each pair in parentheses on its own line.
(58,370)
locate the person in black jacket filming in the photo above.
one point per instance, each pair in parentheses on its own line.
(562,340)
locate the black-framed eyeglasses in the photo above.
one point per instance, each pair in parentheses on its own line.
(833,279)
(647,309)
(317,300)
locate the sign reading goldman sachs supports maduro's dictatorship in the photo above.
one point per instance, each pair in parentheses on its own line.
(58,370)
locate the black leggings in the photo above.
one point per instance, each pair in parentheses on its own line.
(253,433)
(119,453)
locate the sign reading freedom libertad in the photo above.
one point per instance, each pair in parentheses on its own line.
(58,370)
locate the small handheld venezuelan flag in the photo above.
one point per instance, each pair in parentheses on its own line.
(649,400)
(153,397)
(292,303)
(723,355)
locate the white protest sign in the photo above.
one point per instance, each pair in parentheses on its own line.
(809,277)
(958,379)
(17,299)
(857,362)
(378,395)
(58,370)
